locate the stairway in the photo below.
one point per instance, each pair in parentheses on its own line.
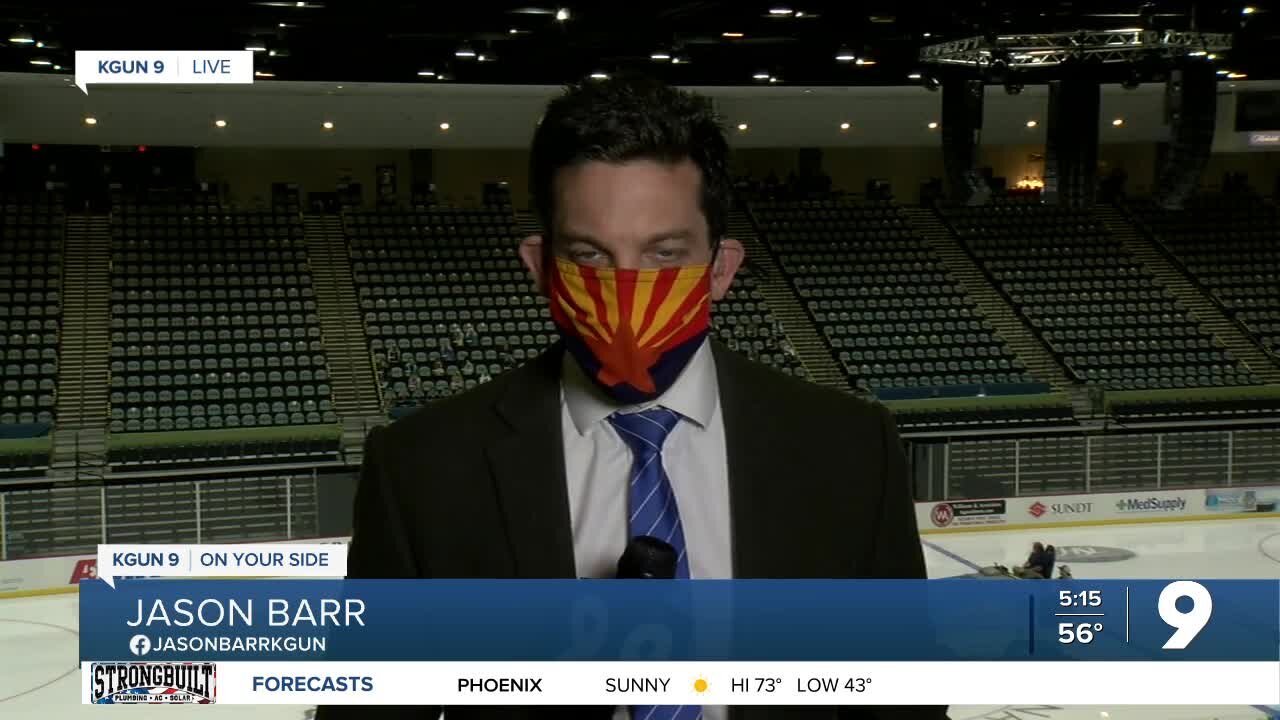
(786,307)
(528,224)
(973,282)
(357,398)
(1171,275)
(82,408)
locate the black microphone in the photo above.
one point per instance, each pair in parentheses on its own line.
(647,558)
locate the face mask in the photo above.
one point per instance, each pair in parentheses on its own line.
(631,331)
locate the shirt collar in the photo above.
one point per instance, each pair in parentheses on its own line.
(694,394)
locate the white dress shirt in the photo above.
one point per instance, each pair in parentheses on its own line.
(598,471)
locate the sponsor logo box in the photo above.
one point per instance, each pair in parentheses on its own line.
(153,683)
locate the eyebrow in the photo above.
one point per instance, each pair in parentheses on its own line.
(568,238)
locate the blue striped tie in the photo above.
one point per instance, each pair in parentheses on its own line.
(654,512)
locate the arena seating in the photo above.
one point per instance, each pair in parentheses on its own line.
(31,237)
(446,300)
(1231,245)
(743,321)
(882,298)
(213,321)
(446,303)
(1093,304)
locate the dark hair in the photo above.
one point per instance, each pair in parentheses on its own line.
(631,118)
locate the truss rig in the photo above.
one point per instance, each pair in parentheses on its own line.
(1042,50)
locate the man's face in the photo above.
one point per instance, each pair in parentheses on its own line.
(641,214)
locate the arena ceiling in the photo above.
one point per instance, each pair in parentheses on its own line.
(725,42)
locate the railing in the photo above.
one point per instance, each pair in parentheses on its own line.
(1066,464)
(73,520)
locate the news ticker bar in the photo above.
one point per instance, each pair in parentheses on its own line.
(705,683)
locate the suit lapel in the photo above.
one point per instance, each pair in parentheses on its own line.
(757,472)
(527,463)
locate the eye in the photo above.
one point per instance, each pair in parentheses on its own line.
(585,255)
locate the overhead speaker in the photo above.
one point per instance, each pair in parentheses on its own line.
(961,135)
(1071,140)
(1191,109)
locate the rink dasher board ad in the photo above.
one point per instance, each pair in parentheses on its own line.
(672,642)
(1097,508)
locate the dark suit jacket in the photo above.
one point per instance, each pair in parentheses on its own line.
(474,487)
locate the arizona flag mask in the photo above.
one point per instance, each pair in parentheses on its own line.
(632,331)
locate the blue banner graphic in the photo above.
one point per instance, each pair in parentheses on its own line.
(782,620)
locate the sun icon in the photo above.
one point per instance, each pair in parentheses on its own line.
(700,685)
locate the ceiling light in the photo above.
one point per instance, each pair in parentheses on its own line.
(732,35)
(90,120)
(677,60)
(660,56)
(338,86)
(780,11)
(444,126)
(864,61)
(844,55)
(773,79)
(21,37)
(1224,72)
(799,13)
(599,76)
(327,125)
(1212,56)
(1117,122)
(844,126)
(301,3)
(933,126)
(513,31)
(40,61)
(271,53)
(482,57)
(1236,76)
(760,76)
(1197,53)
(465,52)
(283,25)
(256,47)
(914,76)
(1248,10)
(57,67)
(426,73)
(220,123)
(562,14)
(263,73)
(928,35)
(742,127)
(1032,123)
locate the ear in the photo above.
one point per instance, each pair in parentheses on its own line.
(729,258)
(531,254)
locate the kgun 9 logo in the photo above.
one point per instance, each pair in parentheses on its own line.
(130,67)
(1188,624)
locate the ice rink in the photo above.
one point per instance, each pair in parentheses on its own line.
(39,640)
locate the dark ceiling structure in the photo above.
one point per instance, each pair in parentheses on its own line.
(726,42)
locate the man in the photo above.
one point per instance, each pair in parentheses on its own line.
(635,423)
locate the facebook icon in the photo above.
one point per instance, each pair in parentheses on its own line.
(140,644)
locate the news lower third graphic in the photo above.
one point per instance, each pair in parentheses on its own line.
(674,642)
(163,67)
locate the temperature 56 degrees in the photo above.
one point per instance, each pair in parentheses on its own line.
(1082,633)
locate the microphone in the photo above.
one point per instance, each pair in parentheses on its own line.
(647,558)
